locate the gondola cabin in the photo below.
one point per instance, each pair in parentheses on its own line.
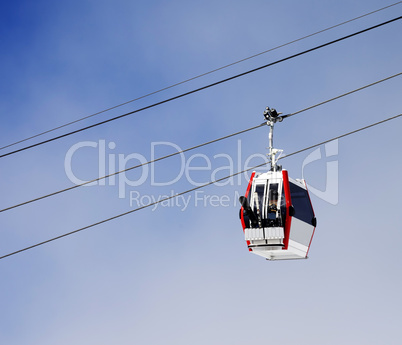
(277,216)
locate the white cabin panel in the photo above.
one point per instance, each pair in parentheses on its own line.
(301,232)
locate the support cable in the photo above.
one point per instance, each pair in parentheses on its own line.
(204,87)
(343,95)
(194,147)
(131,168)
(190,190)
(200,75)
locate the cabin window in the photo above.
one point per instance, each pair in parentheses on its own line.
(283,207)
(272,200)
(301,203)
(259,190)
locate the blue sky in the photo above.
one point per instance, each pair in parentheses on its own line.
(174,276)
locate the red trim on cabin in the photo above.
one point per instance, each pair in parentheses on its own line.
(241,210)
(246,195)
(288,199)
(313,215)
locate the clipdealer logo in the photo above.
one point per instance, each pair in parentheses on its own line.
(330,193)
(108,161)
(116,164)
(198,199)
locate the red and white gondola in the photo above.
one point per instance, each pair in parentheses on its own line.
(276,214)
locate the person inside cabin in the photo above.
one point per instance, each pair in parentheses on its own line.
(272,207)
(273,201)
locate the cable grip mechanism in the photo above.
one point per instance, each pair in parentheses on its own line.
(272,116)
